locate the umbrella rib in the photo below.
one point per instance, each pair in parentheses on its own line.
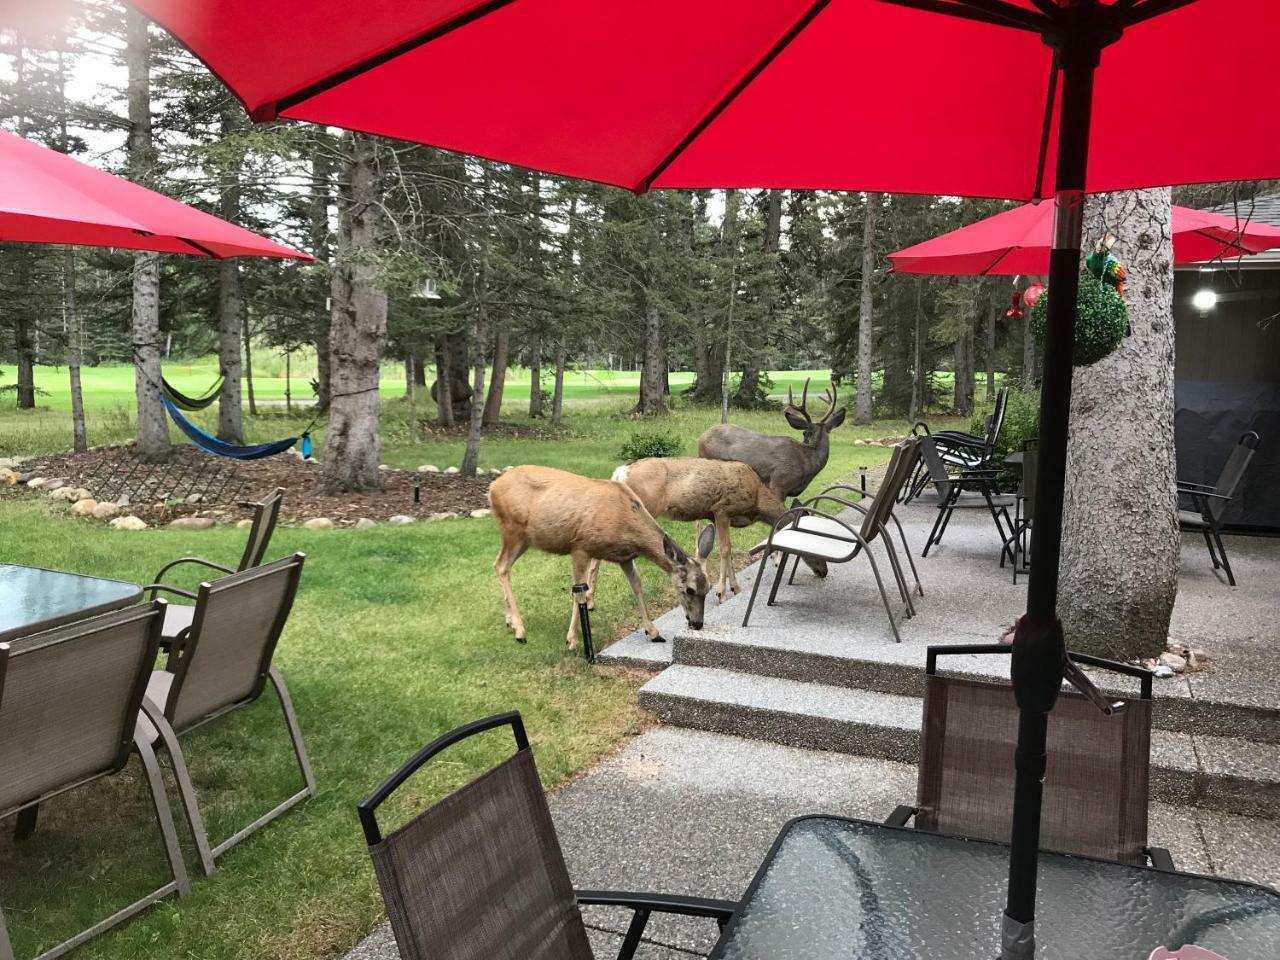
(722,104)
(984,11)
(273,108)
(1043,158)
(200,247)
(1152,8)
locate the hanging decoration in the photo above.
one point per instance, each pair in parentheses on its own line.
(1102,320)
(1104,266)
(1032,294)
(1015,311)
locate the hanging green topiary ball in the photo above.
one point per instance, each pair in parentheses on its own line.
(1102,321)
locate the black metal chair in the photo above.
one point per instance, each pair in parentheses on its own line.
(1096,786)
(960,450)
(1209,502)
(951,485)
(1024,509)
(480,875)
(265,514)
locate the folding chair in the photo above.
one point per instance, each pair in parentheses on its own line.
(1024,510)
(950,486)
(1209,502)
(480,875)
(69,700)
(178,615)
(960,450)
(1096,786)
(806,533)
(221,663)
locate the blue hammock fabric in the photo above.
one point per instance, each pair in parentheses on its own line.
(220,448)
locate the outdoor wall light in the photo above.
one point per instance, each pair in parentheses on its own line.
(1205,300)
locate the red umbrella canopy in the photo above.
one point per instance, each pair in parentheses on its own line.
(1018,241)
(48,197)
(836,94)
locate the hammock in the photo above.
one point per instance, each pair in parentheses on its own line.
(233,451)
(183,402)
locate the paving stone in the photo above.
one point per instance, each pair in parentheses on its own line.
(1243,848)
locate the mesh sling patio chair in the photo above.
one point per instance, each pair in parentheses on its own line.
(960,450)
(480,874)
(69,700)
(265,514)
(1209,502)
(221,663)
(1096,786)
(805,532)
(950,486)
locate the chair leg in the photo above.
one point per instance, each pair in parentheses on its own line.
(755,587)
(163,814)
(295,731)
(777,580)
(186,790)
(6,948)
(883,596)
(1208,542)
(906,550)
(1222,552)
(903,590)
(26,824)
(935,535)
(795,565)
(635,930)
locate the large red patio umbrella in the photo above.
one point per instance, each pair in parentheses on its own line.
(1017,242)
(974,97)
(49,197)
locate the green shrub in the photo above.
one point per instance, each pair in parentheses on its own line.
(650,443)
(1021,422)
(1102,321)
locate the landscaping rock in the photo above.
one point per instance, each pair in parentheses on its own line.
(192,523)
(105,511)
(8,477)
(364,523)
(128,523)
(480,514)
(124,500)
(1163,672)
(1173,661)
(51,485)
(383,466)
(443,516)
(70,494)
(428,468)
(450,469)
(84,508)
(243,524)
(83,494)
(195,498)
(35,482)
(507,467)
(318,523)
(400,519)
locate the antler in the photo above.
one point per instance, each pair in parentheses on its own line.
(830,397)
(804,401)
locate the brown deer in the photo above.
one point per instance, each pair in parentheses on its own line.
(725,492)
(590,520)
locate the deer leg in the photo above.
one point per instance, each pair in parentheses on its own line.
(633,578)
(511,551)
(728,579)
(593,573)
(581,566)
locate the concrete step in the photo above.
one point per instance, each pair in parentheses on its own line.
(1223,773)
(860,664)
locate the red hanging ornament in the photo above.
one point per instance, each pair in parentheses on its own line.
(1032,294)
(1015,311)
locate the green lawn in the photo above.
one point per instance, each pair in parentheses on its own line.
(397,634)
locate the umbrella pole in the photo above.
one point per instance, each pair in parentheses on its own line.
(1038,648)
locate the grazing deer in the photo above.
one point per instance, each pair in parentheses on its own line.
(786,465)
(723,491)
(590,520)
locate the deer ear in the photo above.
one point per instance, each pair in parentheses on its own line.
(837,419)
(797,422)
(706,540)
(673,551)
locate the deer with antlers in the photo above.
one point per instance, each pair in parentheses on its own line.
(725,492)
(590,520)
(786,465)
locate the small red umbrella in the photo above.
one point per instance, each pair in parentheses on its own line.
(48,197)
(987,98)
(1017,242)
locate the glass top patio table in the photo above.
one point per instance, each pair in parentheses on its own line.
(835,888)
(32,599)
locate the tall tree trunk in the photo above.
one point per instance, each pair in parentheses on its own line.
(408,375)
(419,372)
(990,357)
(318,231)
(475,426)
(79,437)
(557,394)
(917,397)
(498,383)
(1120,540)
(26,359)
(153,426)
(748,394)
(962,390)
(1028,350)
(442,388)
(230,296)
(248,365)
(729,250)
(358,328)
(862,403)
(655,359)
(535,376)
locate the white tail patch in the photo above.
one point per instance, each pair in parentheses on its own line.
(620,475)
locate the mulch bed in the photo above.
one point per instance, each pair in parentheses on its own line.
(253,479)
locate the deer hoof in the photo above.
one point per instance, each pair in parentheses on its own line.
(520,638)
(657,638)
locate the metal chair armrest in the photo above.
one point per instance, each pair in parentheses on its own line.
(198,560)
(153,587)
(901,816)
(1189,486)
(1161,860)
(685,906)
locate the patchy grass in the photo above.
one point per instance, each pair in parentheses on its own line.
(397,635)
